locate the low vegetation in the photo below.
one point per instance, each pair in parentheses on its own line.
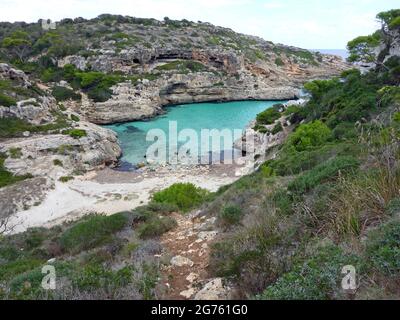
(185,196)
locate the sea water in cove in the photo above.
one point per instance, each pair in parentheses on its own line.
(198,116)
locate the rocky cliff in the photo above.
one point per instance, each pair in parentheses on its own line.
(153,63)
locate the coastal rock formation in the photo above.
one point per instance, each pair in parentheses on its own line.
(130,68)
(58,155)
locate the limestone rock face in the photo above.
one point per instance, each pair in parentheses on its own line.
(32,107)
(39,153)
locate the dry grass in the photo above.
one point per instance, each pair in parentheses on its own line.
(359,202)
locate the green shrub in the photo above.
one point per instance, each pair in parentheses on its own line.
(185,196)
(63,94)
(94,276)
(95,231)
(345,130)
(231,215)
(13,127)
(279,62)
(383,248)
(15,153)
(57,162)
(283,201)
(156,226)
(309,135)
(7,101)
(76,133)
(278,128)
(322,173)
(292,162)
(11,269)
(317,278)
(396,117)
(75,118)
(267,171)
(65,179)
(27,285)
(269,116)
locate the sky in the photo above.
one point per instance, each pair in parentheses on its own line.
(311,24)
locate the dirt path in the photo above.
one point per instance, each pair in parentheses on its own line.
(188,249)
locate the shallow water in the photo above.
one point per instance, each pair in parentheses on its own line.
(198,116)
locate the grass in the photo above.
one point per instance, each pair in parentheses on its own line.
(156,226)
(182,66)
(15,153)
(95,231)
(383,248)
(75,133)
(63,94)
(231,215)
(323,173)
(7,101)
(317,278)
(65,179)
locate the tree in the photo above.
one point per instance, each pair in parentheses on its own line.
(362,49)
(389,19)
(365,48)
(18,44)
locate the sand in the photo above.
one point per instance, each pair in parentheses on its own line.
(109,191)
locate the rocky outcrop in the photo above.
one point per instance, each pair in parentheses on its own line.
(30,105)
(261,146)
(57,155)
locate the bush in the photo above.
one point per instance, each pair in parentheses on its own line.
(278,128)
(65,179)
(269,116)
(317,278)
(383,248)
(156,226)
(15,153)
(185,196)
(57,162)
(279,62)
(292,162)
(9,270)
(94,276)
(62,94)
(322,173)
(95,231)
(75,118)
(308,135)
(76,133)
(7,101)
(231,215)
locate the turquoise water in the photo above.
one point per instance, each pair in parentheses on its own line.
(227,115)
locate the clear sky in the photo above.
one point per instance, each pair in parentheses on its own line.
(311,24)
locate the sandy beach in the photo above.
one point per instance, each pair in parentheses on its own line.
(110,191)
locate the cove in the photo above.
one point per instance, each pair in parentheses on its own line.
(197,116)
